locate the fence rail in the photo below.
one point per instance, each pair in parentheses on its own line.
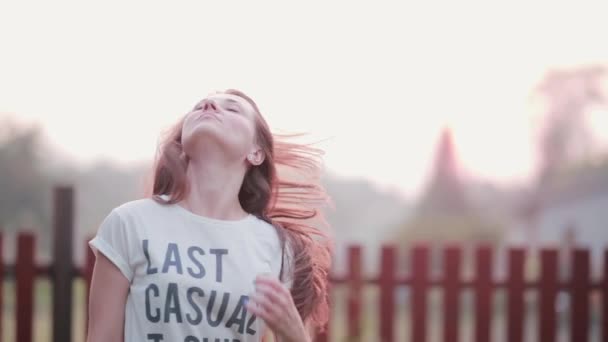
(62,271)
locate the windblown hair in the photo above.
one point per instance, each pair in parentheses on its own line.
(284,191)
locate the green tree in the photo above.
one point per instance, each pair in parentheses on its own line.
(22,180)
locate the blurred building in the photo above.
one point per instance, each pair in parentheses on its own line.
(445,212)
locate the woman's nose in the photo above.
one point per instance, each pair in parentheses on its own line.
(209,105)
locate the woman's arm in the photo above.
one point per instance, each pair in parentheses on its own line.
(310,330)
(307,325)
(107,299)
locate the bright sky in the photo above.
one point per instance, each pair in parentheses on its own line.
(378,79)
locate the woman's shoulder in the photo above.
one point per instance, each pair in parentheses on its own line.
(137,207)
(261,227)
(268,234)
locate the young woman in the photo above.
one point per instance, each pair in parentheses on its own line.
(224,246)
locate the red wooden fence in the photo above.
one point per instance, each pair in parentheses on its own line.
(419,282)
(579,286)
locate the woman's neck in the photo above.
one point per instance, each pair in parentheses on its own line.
(214,189)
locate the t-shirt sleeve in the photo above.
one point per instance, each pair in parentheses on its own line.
(112,240)
(288,268)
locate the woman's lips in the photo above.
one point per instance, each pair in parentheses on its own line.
(209,115)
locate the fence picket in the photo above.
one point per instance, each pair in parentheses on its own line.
(387,293)
(420,255)
(579,294)
(89,264)
(604,290)
(25,272)
(483,293)
(63,269)
(355,293)
(515,296)
(1,282)
(451,269)
(547,294)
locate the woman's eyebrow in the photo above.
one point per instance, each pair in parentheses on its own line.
(234,102)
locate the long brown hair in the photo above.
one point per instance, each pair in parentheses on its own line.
(284,191)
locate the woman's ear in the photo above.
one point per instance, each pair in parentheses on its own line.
(256,157)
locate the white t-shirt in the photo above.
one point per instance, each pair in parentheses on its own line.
(190,275)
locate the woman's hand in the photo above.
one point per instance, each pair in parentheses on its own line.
(273,303)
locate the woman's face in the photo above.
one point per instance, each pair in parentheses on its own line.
(225,119)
